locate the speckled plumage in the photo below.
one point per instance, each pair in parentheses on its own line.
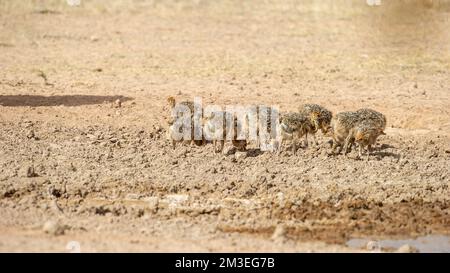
(365,133)
(365,125)
(377,118)
(296,125)
(319,116)
(340,127)
(189,104)
(214,125)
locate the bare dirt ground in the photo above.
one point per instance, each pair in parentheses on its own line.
(75,167)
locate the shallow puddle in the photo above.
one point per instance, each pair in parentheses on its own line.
(424,244)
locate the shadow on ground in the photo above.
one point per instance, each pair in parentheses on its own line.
(67,100)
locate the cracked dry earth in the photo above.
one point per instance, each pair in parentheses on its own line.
(77,166)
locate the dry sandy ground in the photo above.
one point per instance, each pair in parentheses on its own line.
(74,167)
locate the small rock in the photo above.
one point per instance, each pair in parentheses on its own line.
(433,154)
(157,128)
(137,213)
(281,199)
(27,171)
(257,178)
(27,123)
(30,134)
(9,192)
(279,233)
(240,155)
(406,249)
(373,245)
(117,103)
(72,168)
(143,231)
(91,136)
(53,228)
(109,215)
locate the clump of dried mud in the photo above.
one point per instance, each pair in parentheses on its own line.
(126,173)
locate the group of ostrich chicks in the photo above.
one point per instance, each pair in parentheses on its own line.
(362,127)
